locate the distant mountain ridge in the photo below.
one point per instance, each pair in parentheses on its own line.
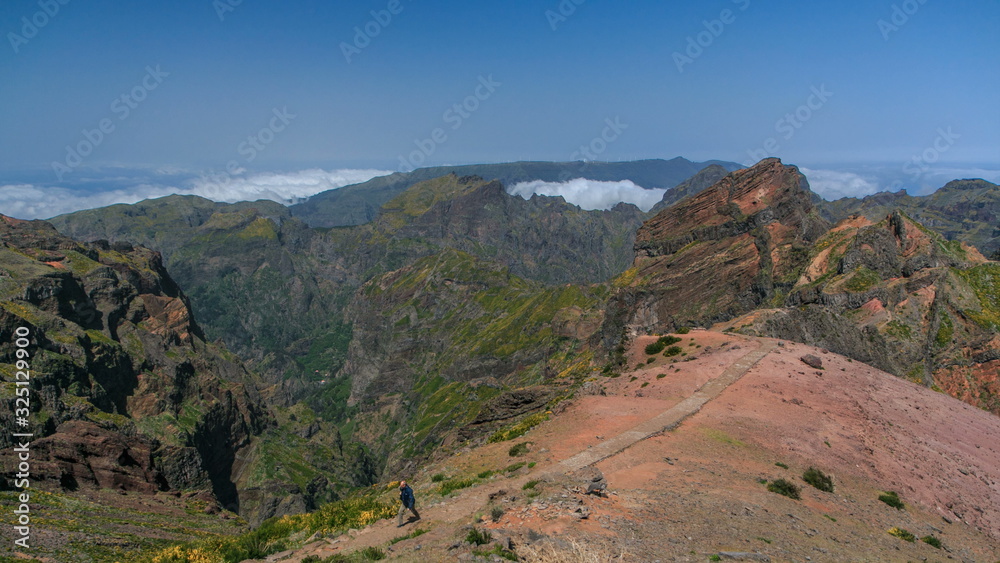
(360,203)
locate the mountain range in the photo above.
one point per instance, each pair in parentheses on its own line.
(382,327)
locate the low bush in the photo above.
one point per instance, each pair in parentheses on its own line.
(818,479)
(485,474)
(785,488)
(892,499)
(931,541)
(454,485)
(496,513)
(478,537)
(518,449)
(438,477)
(655,348)
(684,330)
(902,534)
(519,429)
(673,351)
(530,484)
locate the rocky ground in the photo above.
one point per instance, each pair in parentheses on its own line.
(699,491)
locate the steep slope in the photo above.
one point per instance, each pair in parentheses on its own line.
(128,395)
(359,204)
(704,179)
(437,341)
(699,489)
(966,210)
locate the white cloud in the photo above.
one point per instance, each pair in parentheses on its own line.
(28,201)
(592,194)
(283,188)
(833,184)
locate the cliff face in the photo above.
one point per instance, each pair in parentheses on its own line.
(729,249)
(126,394)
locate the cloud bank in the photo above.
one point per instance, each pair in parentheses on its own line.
(833,184)
(29,201)
(591,194)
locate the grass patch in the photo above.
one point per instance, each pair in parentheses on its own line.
(410,536)
(785,488)
(530,484)
(830,518)
(781,465)
(660,375)
(455,484)
(519,429)
(438,477)
(818,479)
(514,467)
(485,474)
(892,499)
(902,534)
(683,330)
(497,550)
(518,449)
(862,280)
(931,541)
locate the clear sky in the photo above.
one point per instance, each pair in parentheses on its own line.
(256,85)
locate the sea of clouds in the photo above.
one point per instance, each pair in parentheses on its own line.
(591,194)
(31,201)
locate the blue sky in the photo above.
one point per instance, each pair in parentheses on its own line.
(857,88)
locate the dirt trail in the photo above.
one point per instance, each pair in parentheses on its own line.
(669,419)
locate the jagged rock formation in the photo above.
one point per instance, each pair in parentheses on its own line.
(965,210)
(752,252)
(704,179)
(727,250)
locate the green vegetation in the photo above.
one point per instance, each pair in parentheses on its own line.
(514,467)
(683,330)
(415,533)
(456,484)
(278,534)
(781,465)
(945,333)
(931,541)
(485,474)
(899,330)
(673,351)
(985,282)
(496,513)
(892,499)
(862,280)
(497,550)
(655,348)
(830,518)
(783,487)
(438,477)
(530,484)
(478,537)
(660,375)
(715,557)
(818,479)
(518,449)
(902,534)
(519,429)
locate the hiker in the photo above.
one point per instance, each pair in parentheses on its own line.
(409,503)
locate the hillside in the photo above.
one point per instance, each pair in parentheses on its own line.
(127,395)
(360,204)
(965,210)
(687,446)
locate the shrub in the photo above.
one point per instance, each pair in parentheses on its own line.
(902,534)
(931,541)
(518,449)
(650,360)
(785,488)
(684,330)
(438,478)
(411,535)
(673,351)
(892,499)
(530,484)
(498,551)
(372,553)
(781,465)
(478,537)
(496,513)
(655,348)
(486,474)
(660,375)
(818,479)
(514,467)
